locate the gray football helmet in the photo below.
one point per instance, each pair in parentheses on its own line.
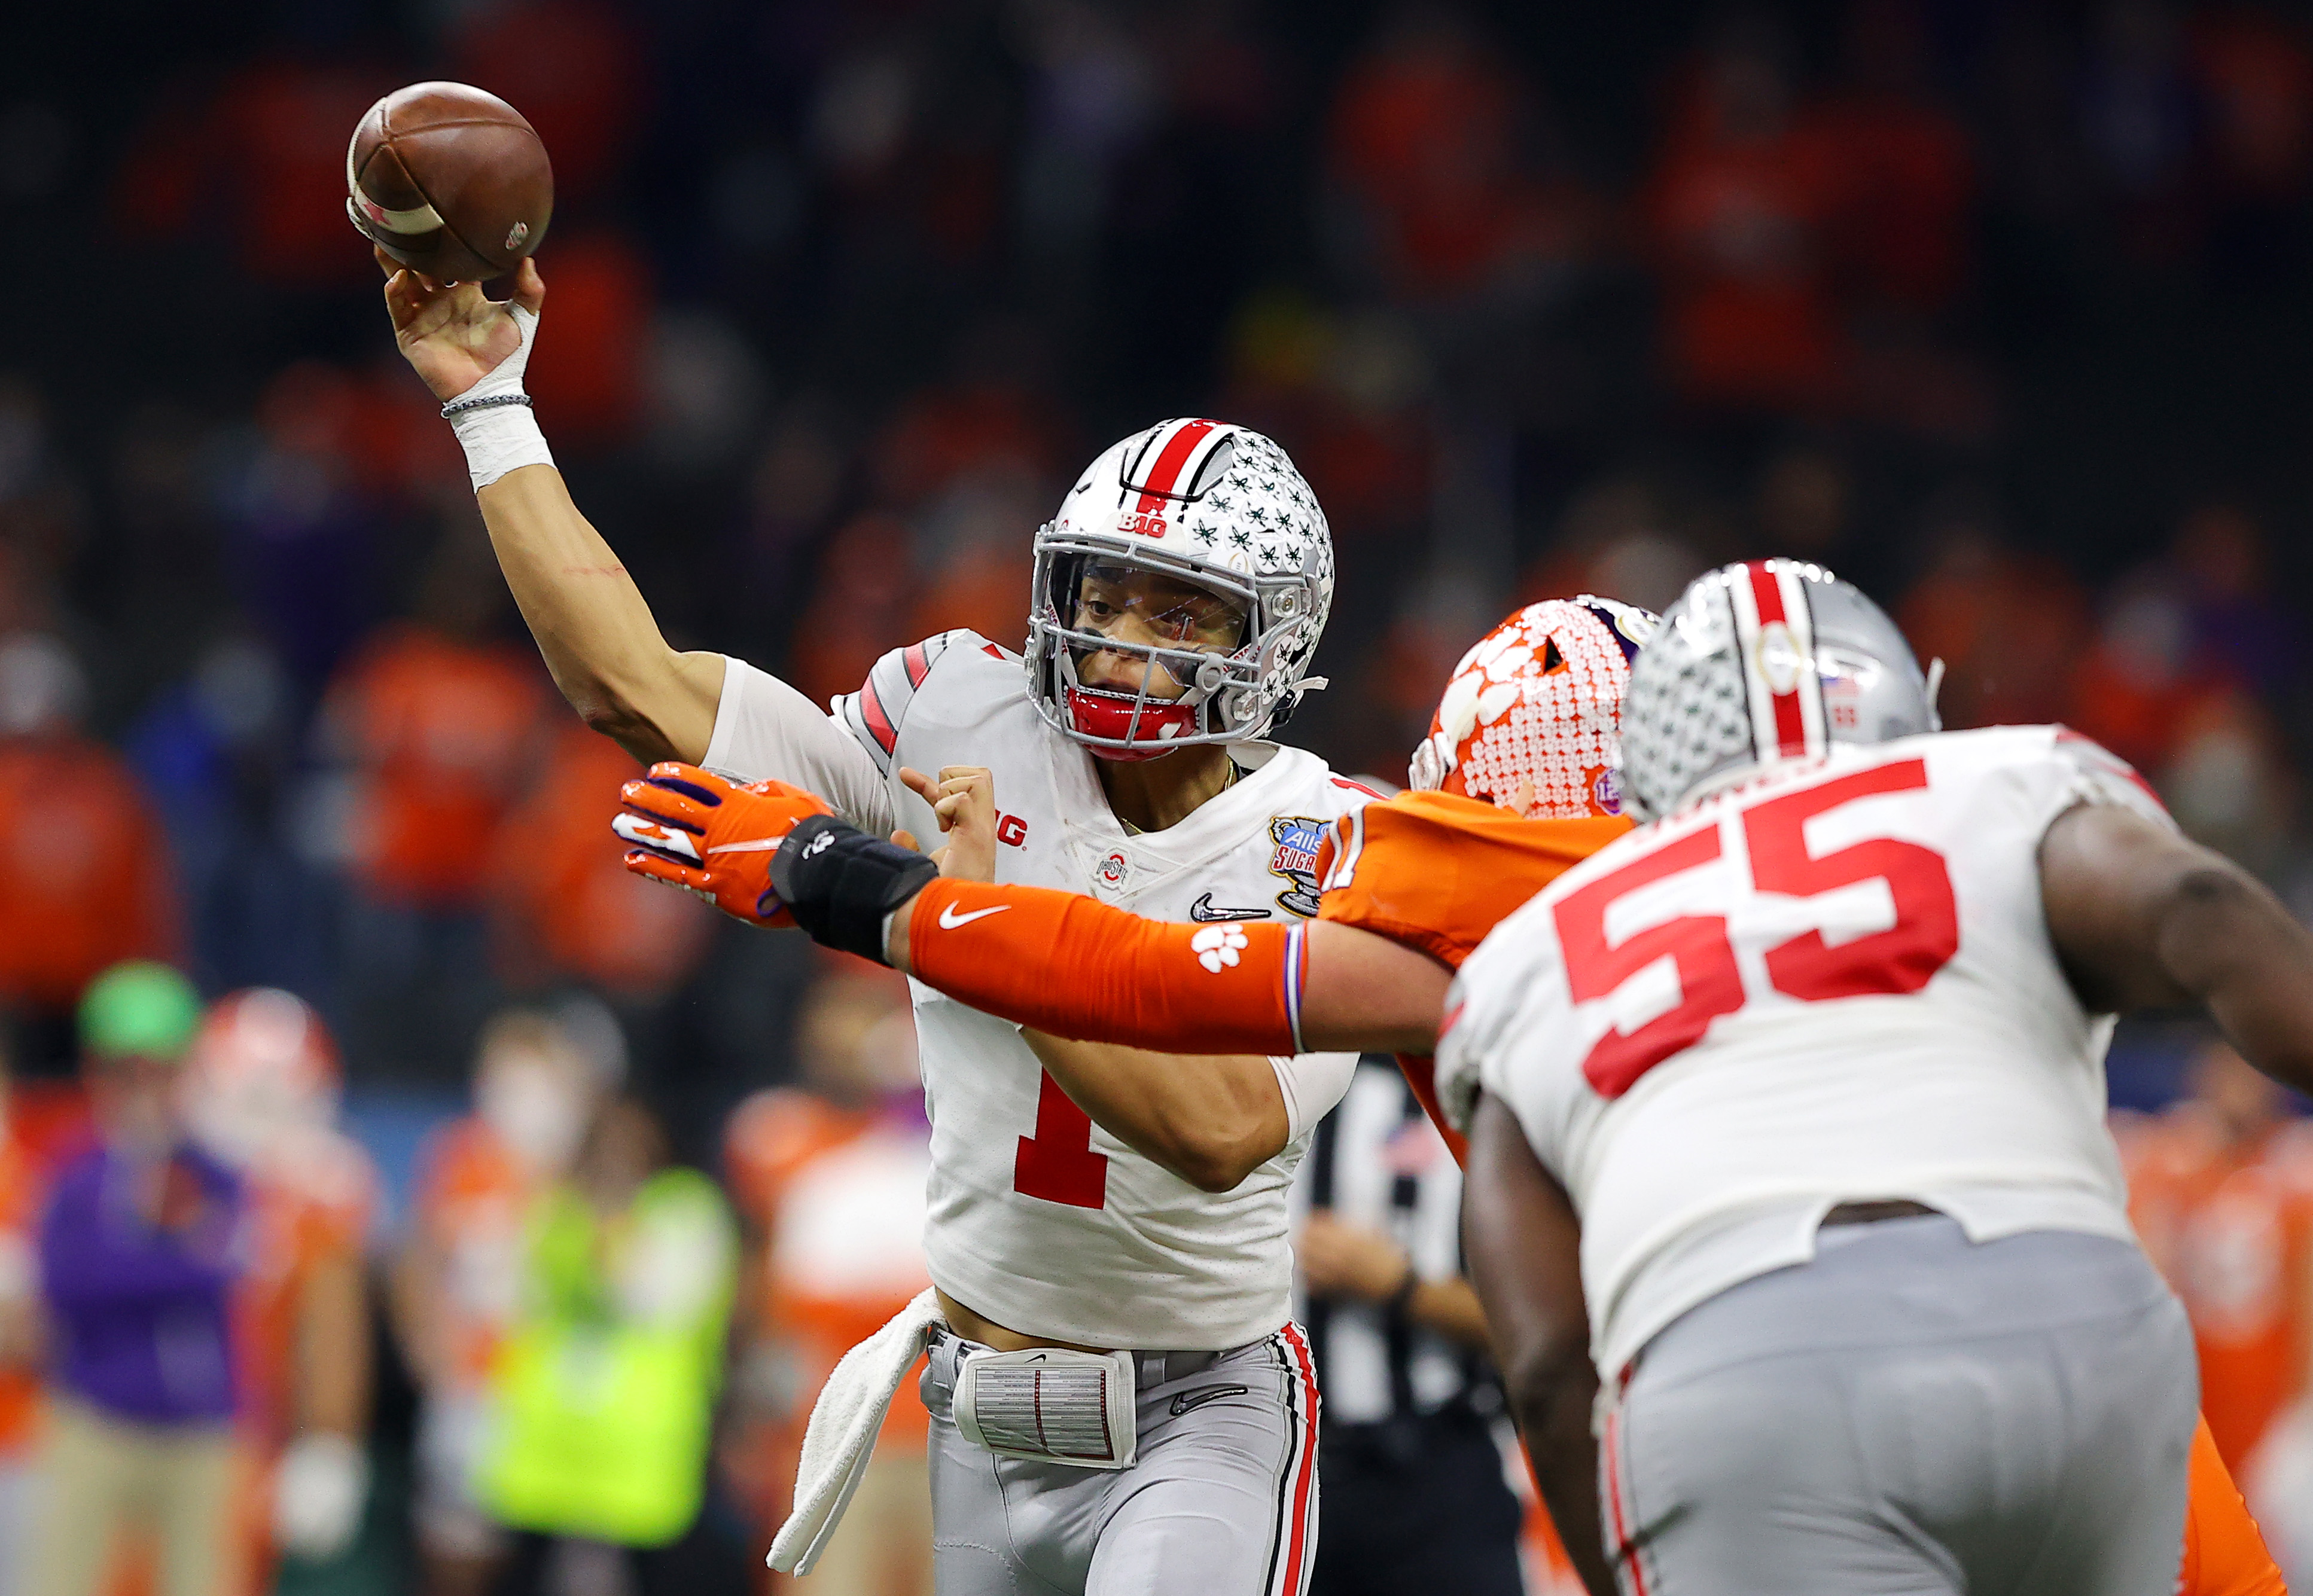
(1763,661)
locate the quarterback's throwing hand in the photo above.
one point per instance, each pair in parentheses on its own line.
(689,827)
(455,335)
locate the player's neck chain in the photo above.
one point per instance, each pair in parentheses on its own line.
(1226,783)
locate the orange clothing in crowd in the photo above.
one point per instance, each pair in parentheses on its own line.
(1748,317)
(575,903)
(471,1199)
(20,1212)
(84,872)
(2225,1554)
(2232,1229)
(441,732)
(306,1207)
(838,1197)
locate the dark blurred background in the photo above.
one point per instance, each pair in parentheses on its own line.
(1997,307)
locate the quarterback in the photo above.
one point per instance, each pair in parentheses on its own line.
(1119,1400)
(1787,1120)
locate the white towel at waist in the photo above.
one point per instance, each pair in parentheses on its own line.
(842,1434)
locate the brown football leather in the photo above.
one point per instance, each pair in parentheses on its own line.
(467,154)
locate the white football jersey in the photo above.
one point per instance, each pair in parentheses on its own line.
(1040,1219)
(1831,983)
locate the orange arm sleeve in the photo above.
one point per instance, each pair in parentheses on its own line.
(1068,965)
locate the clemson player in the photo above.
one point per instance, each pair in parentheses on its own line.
(261,1093)
(1411,886)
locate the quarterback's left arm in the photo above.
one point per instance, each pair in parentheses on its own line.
(1213,1119)
(2142,919)
(1523,1244)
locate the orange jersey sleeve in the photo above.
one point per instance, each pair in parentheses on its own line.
(1437,871)
(1068,965)
(2224,1551)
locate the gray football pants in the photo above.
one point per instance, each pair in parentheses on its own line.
(1221,1499)
(1910,1414)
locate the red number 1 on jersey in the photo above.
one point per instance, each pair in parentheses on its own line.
(1900,958)
(1058,1164)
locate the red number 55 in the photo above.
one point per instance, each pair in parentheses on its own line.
(1900,958)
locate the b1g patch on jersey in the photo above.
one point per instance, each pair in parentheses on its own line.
(1298,839)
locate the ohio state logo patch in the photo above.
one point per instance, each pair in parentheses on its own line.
(1298,839)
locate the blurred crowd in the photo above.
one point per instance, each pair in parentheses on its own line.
(1992,308)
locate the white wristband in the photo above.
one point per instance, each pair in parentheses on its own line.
(502,438)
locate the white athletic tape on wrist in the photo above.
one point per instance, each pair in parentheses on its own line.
(502,438)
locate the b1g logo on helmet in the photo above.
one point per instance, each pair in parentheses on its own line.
(1298,839)
(1143,524)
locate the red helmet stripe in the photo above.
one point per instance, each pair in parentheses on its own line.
(1170,461)
(1774,632)
(1790,721)
(918,663)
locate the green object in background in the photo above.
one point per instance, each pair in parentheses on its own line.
(603,1399)
(138,1009)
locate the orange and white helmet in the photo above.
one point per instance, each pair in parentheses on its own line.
(262,1069)
(1532,716)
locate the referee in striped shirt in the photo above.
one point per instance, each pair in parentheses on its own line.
(1416,1501)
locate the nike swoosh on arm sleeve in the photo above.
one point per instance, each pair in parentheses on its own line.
(765,728)
(1075,967)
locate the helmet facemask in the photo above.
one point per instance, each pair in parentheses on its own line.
(1185,632)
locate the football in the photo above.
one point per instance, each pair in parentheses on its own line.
(450,181)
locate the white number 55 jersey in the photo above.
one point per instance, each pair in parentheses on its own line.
(1832,985)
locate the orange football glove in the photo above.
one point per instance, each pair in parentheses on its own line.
(692,828)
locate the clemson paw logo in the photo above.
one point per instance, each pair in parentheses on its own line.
(1217,946)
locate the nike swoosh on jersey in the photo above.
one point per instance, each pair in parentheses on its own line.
(1203,910)
(949,920)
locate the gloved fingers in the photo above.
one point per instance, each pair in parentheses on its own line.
(668,872)
(666,806)
(655,835)
(702,786)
